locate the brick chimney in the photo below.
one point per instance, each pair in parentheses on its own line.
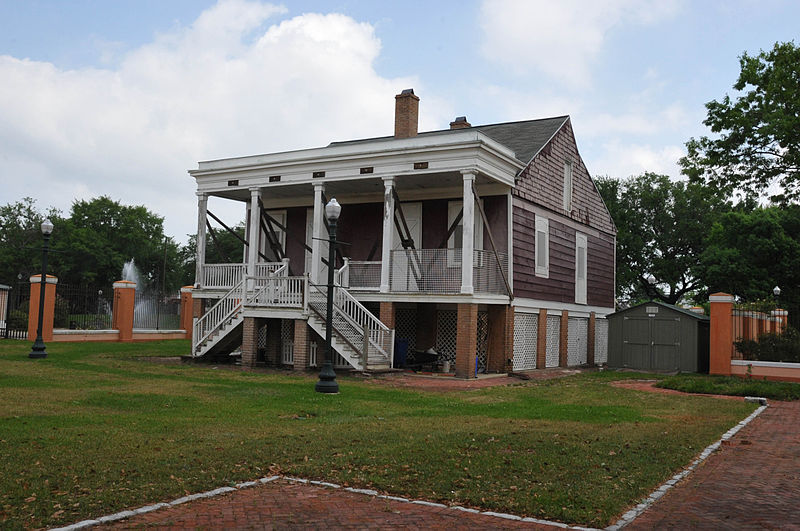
(406,114)
(460,123)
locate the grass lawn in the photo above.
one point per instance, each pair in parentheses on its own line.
(92,430)
(731,385)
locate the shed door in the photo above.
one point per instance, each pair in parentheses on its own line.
(651,343)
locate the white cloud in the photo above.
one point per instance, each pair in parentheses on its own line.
(227,85)
(560,39)
(623,160)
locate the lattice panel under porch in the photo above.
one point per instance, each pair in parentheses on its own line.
(553,334)
(483,340)
(406,328)
(526,330)
(446,329)
(577,341)
(261,337)
(600,341)
(287,341)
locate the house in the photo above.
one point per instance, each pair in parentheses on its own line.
(488,244)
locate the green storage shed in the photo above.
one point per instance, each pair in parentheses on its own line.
(659,337)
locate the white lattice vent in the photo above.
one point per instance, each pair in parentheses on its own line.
(526,329)
(446,328)
(406,328)
(483,340)
(261,337)
(287,341)
(577,341)
(601,341)
(553,336)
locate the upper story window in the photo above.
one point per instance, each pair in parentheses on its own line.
(542,247)
(580,268)
(568,185)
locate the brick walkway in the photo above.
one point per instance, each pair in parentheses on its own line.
(751,483)
(283,504)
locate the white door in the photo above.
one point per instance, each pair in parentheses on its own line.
(407,266)
(323,248)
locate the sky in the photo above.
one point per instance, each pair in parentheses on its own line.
(121,98)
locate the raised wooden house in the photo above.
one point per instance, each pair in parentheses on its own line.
(488,245)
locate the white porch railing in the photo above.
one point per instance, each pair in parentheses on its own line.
(439,271)
(225,276)
(280,291)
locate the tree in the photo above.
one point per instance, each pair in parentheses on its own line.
(21,239)
(749,252)
(758,143)
(100,235)
(662,227)
(223,247)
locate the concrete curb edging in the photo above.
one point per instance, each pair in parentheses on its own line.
(631,515)
(367,492)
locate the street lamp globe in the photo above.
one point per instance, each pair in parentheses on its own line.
(332,210)
(776,291)
(651,279)
(47,227)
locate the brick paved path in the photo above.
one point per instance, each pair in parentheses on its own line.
(283,504)
(751,483)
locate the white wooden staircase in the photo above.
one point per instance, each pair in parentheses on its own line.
(358,336)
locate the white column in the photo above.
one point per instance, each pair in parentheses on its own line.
(253,232)
(468,233)
(318,232)
(200,257)
(388,232)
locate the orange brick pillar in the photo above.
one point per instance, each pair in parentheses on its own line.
(49,307)
(590,340)
(563,339)
(721,334)
(300,348)
(466,340)
(500,340)
(124,303)
(541,340)
(187,310)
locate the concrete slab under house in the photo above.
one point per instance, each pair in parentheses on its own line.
(475,249)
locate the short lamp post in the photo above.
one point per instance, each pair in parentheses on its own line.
(651,281)
(38,350)
(777,292)
(327,378)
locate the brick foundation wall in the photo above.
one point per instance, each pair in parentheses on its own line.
(590,340)
(500,341)
(387,314)
(301,345)
(466,340)
(249,342)
(541,341)
(563,339)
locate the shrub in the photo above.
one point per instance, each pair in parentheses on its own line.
(772,347)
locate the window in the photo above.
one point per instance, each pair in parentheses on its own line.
(568,185)
(542,246)
(456,240)
(580,268)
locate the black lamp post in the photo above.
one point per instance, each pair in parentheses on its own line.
(327,378)
(777,292)
(38,350)
(651,281)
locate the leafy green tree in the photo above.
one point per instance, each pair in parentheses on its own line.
(662,226)
(100,235)
(21,239)
(223,247)
(758,132)
(750,252)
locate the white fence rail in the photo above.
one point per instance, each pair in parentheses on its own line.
(225,276)
(281,291)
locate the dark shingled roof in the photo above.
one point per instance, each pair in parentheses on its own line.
(524,138)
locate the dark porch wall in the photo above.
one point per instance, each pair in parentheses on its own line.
(296,229)
(361,226)
(434,221)
(496,208)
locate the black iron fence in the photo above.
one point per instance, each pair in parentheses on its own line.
(14,321)
(83,307)
(156,312)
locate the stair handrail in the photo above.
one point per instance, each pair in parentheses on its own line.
(380,335)
(223,310)
(341,276)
